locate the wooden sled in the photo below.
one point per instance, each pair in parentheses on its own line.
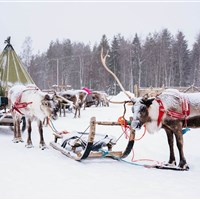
(89,145)
(5,118)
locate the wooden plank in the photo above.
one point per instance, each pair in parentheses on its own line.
(94,154)
(108,123)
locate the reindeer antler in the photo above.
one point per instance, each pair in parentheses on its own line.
(103,60)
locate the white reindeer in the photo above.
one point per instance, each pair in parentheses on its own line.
(32,103)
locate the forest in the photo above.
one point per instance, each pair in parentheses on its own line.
(159,60)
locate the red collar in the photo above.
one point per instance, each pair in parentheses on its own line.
(171,113)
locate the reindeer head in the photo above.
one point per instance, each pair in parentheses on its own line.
(49,105)
(140,111)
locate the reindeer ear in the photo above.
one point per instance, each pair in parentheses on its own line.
(47,97)
(54,92)
(147,102)
(145,97)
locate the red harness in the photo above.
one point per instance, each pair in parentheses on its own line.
(173,114)
(18,104)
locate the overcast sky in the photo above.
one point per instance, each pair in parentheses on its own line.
(88,21)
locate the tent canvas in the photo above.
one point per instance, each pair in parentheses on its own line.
(12,70)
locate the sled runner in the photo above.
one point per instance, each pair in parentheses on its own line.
(79,146)
(175,168)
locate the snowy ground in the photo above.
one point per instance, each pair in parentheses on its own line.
(33,173)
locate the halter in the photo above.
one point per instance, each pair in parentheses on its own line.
(177,115)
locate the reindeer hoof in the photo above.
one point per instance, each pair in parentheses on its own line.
(184,165)
(29,146)
(17,140)
(43,146)
(171,164)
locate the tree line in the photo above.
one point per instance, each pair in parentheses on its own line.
(161,59)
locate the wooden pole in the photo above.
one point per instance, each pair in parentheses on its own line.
(92,129)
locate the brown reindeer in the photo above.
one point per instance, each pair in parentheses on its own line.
(96,98)
(77,97)
(170,110)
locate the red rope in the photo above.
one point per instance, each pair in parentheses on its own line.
(125,128)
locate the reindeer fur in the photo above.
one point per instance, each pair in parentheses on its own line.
(147,110)
(41,106)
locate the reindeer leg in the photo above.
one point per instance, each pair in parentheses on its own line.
(42,143)
(17,131)
(64,108)
(179,143)
(60,109)
(29,129)
(45,121)
(23,124)
(15,139)
(79,112)
(170,139)
(75,113)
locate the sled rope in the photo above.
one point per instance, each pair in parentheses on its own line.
(135,162)
(55,131)
(125,125)
(52,125)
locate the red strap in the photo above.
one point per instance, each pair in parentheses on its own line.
(185,107)
(17,106)
(22,105)
(176,115)
(161,111)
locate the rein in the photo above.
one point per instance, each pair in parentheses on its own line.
(177,115)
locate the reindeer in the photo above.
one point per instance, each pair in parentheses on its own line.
(171,110)
(103,99)
(33,104)
(78,98)
(92,99)
(96,98)
(61,102)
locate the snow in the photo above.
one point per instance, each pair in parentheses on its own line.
(122,97)
(35,173)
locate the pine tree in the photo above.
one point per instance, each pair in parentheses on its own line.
(181,61)
(195,62)
(137,61)
(114,62)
